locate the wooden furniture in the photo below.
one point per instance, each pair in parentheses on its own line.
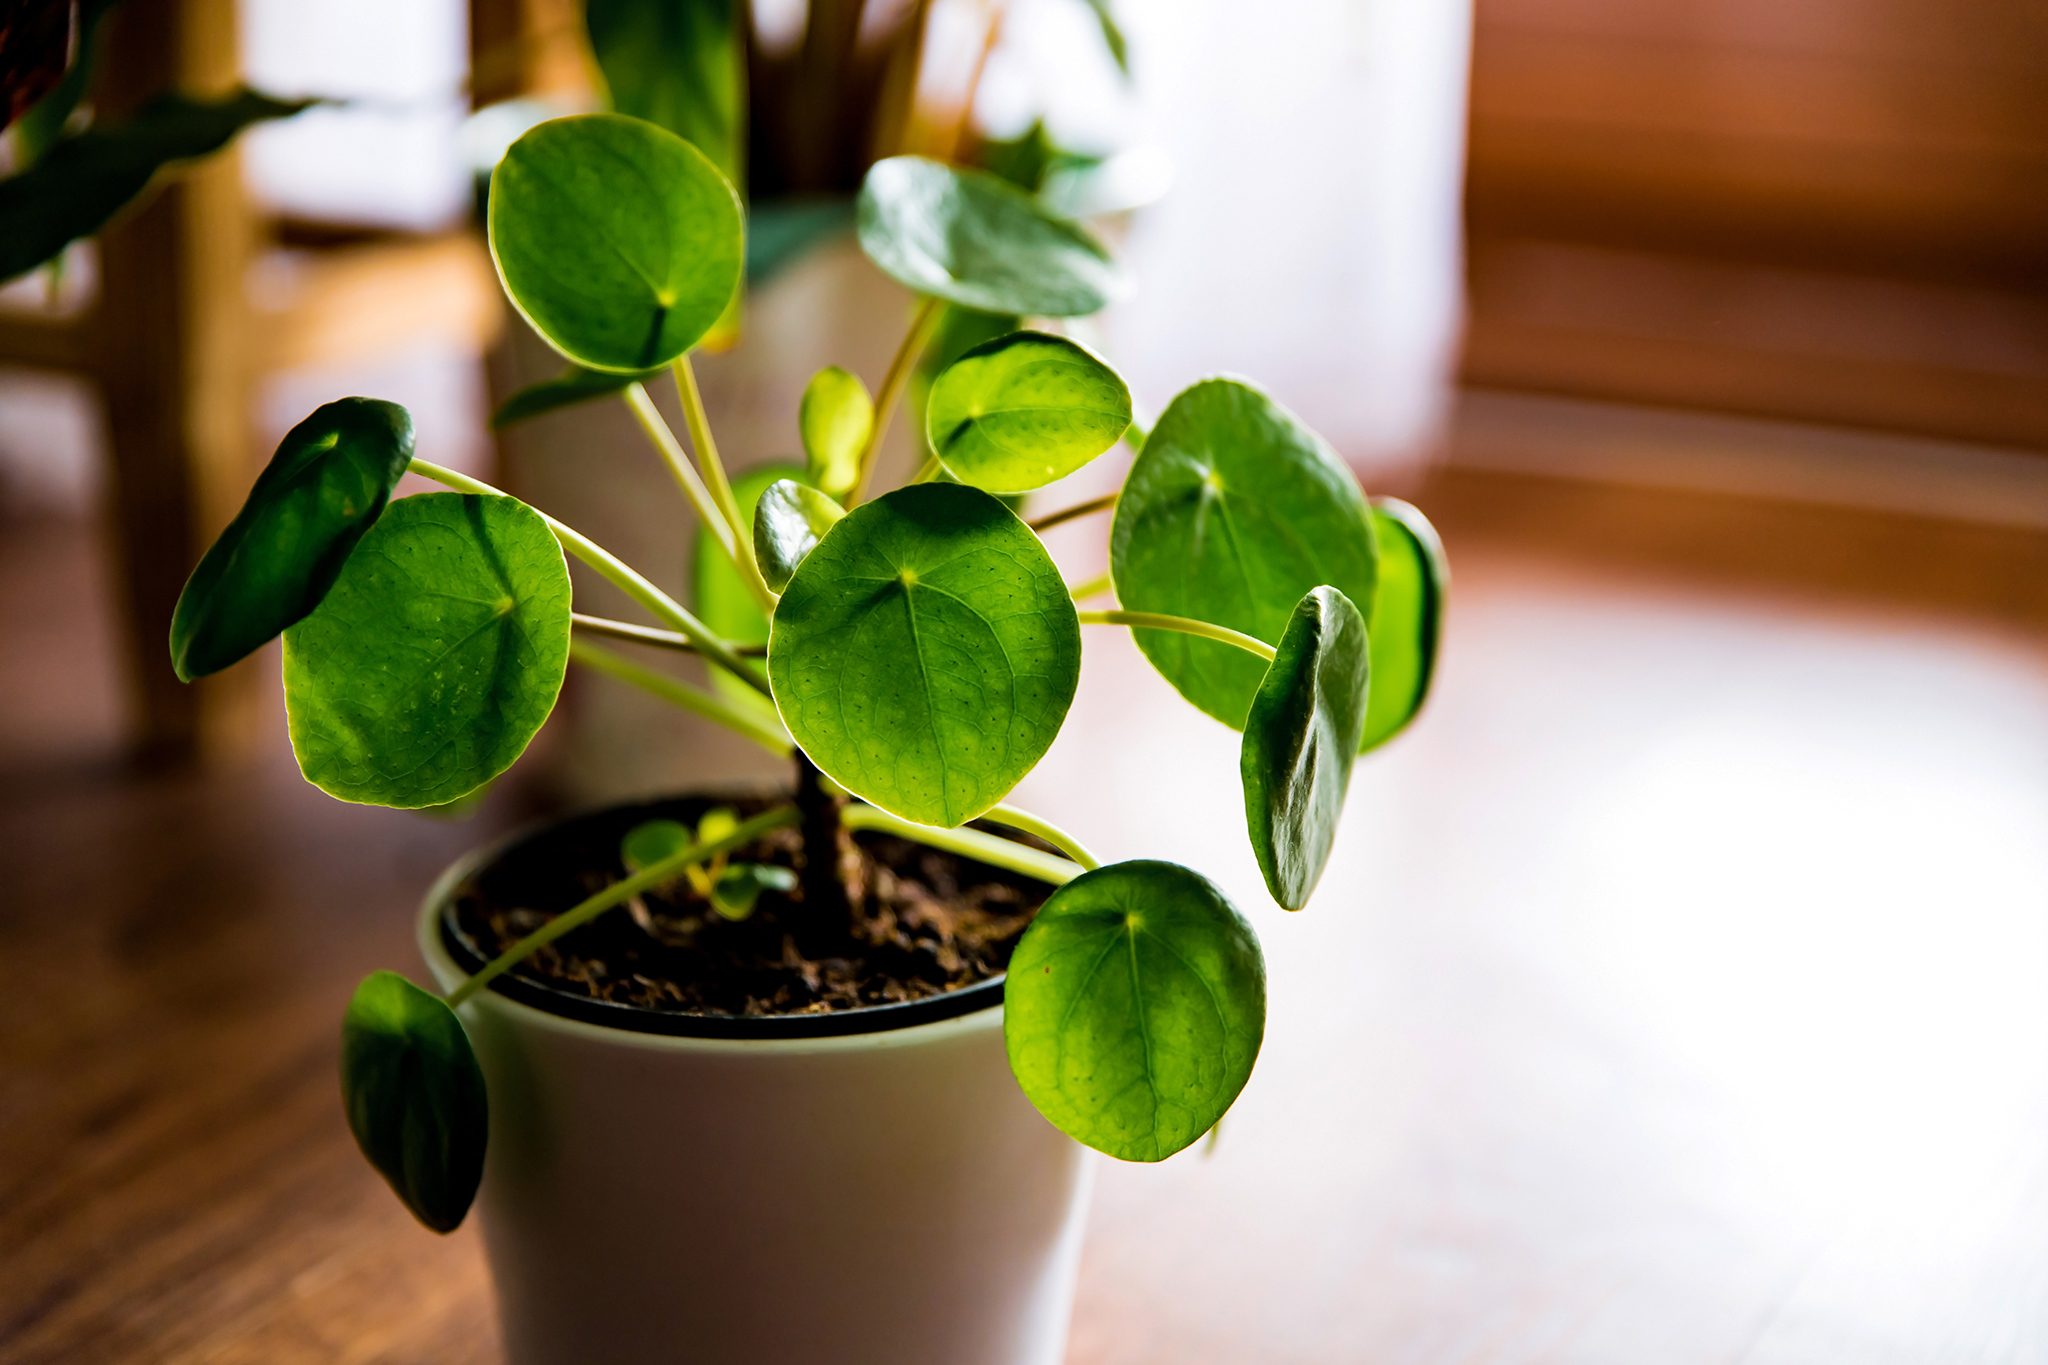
(176,338)
(1675,994)
(1830,211)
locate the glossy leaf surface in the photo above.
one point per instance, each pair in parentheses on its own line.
(1232,511)
(925,653)
(972,239)
(415,1097)
(789,521)
(1134,1008)
(321,491)
(620,242)
(1407,618)
(1300,740)
(81,182)
(1018,412)
(436,655)
(835,420)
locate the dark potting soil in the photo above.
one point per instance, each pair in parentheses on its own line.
(925,922)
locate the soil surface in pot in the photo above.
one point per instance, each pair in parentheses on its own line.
(926,922)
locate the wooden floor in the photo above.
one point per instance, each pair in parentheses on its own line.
(1679,992)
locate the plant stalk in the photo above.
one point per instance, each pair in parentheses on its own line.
(696,700)
(648,635)
(1153,620)
(1044,829)
(671,451)
(699,423)
(901,366)
(1067,514)
(830,863)
(620,574)
(990,849)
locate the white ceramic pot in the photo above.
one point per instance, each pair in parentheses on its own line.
(861,1188)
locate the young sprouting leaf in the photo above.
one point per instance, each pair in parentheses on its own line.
(975,240)
(789,521)
(574,385)
(720,822)
(324,488)
(83,181)
(1018,412)
(1134,1008)
(435,657)
(650,841)
(1407,618)
(620,242)
(738,888)
(1232,511)
(676,65)
(1300,739)
(415,1097)
(835,420)
(926,652)
(722,598)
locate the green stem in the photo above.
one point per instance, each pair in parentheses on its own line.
(1044,829)
(991,849)
(699,423)
(671,451)
(1152,620)
(648,635)
(619,892)
(1067,514)
(697,700)
(927,471)
(620,574)
(901,366)
(1101,583)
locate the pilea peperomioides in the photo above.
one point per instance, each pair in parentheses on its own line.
(916,649)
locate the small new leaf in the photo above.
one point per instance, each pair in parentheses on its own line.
(320,493)
(650,841)
(1134,1008)
(620,242)
(835,420)
(1018,412)
(415,1097)
(1407,618)
(436,655)
(1300,740)
(738,888)
(926,652)
(722,598)
(789,521)
(975,240)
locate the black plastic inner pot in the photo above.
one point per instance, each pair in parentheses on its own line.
(675,1024)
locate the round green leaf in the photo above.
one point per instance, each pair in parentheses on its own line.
(972,239)
(926,652)
(835,420)
(1232,511)
(1134,1008)
(1300,739)
(620,242)
(414,1096)
(1018,412)
(321,491)
(789,520)
(1407,618)
(723,600)
(652,841)
(435,657)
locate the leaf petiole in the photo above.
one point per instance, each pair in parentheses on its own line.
(671,451)
(648,635)
(619,892)
(1078,510)
(690,698)
(1045,829)
(1153,620)
(991,849)
(922,327)
(620,574)
(699,423)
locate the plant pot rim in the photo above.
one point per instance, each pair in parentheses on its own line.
(969,1009)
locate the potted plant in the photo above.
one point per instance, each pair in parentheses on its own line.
(752,1076)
